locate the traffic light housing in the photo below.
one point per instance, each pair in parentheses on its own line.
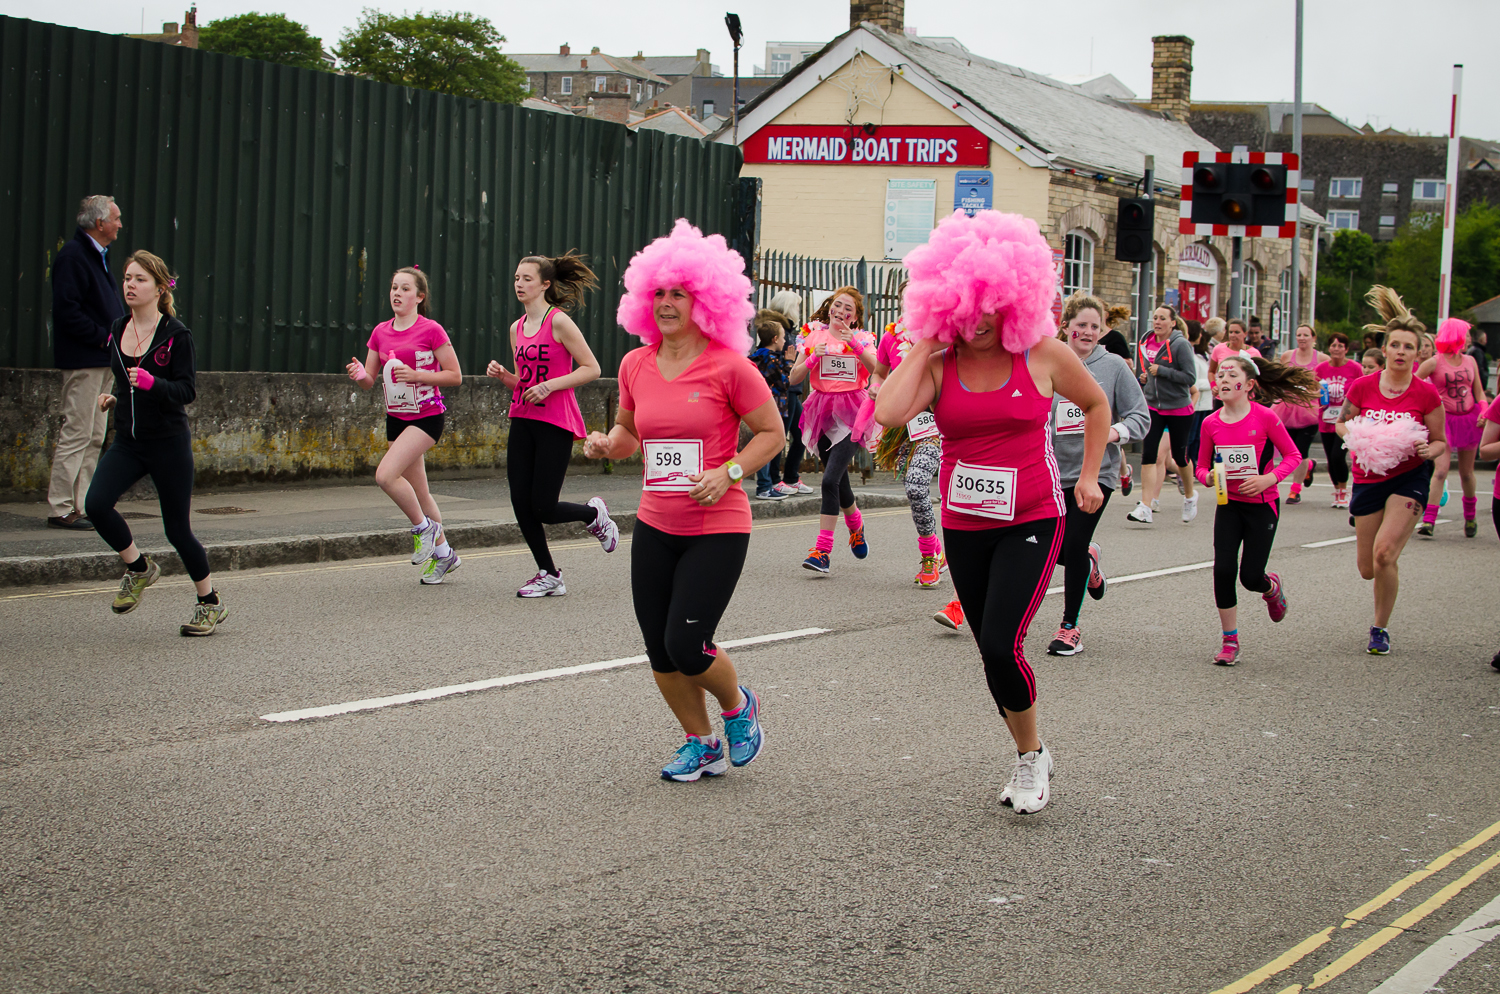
(1244,198)
(1135,226)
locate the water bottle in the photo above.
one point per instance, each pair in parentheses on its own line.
(1323,396)
(1221,482)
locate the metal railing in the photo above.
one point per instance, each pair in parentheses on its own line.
(814,279)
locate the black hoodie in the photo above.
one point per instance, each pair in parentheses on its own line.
(158,412)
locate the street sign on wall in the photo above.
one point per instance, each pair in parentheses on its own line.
(910,212)
(852,145)
(973,191)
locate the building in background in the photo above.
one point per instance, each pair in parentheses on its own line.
(594,85)
(783,56)
(706,97)
(673,121)
(183,36)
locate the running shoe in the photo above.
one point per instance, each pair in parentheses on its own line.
(1380,642)
(942,561)
(1340,497)
(1127,480)
(1177,479)
(1156,505)
(785,490)
(767,495)
(1067,642)
(439,567)
(544,584)
(803,488)
(1471,528)
(1295,497)
(1275,598)
(1189,508)
(1495,661)
(951,616)
(1229,653)
(1142,513)
(746,739)
(1443,500)
(857,543)
(817,561)
(1098,582)
(603,527)
(424,541)
(1425,529)
(206,617)
(1029,789)
(133,585)
(1312,464)
(928,574)
(695,760)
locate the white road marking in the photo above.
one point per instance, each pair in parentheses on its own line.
(508,681)
(1423,972)
(1351,538)
(1113,580)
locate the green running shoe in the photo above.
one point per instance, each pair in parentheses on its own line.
(133,585)
(206,617)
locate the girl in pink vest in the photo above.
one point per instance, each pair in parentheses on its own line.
(551,360)
(1301,417)
(1456,377)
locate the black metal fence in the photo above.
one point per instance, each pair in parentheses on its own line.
(813,279)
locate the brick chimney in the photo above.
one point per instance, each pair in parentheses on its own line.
(190,28)
(563,49)
(705,64)
(1172,75)
(610,106)
(888,14)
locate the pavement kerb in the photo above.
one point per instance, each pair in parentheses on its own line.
(26,571)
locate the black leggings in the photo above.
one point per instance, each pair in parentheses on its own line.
(681,585)
(169,463)
(1338,458)
(837,493)
(1074,555)
(1001,576)
(536,460)
(1253,525)
(1177,426)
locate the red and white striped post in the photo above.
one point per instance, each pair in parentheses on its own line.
(1450,200)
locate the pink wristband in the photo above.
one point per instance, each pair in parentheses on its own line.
(143,379)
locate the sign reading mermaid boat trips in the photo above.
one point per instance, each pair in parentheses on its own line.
(846,145)
(986,491)
(671,463)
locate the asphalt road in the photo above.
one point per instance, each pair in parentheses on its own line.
(157,835)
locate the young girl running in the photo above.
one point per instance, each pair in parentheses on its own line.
(1382,422)
(1334,379)
(983,286)
(151,354)
(1455,374)
(1237,441)
(1301,419)
(682,397)
(837,356)
(412,354)
(545,418)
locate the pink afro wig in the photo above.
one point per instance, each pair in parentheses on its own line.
(708,269)
(991,263)
(1451,335)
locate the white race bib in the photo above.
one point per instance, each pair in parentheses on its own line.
(922,426)
(1331,414)
(400,398)
(839,369)
(1239,461)
(669,464)
(985,491)
(1069,418)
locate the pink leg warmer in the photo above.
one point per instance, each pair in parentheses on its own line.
(853,519)
(1431,514)
(927,545)
(1471,507)
(825,540)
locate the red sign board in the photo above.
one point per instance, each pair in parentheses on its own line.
(850,145)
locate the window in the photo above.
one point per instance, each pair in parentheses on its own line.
(1427,189)
(1078,263)
(599,82)
(1309,184)
(781,63)
(567,85)
(708,108)
(1387,220)
(1249,285)
(1390,188)
(1284,296)
(650,91)
(1343,220)
(1346,187)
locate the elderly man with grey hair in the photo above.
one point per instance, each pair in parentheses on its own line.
(85,302)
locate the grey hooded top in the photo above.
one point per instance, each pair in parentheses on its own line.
(1127,406)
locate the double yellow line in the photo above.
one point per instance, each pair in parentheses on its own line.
(1359,915)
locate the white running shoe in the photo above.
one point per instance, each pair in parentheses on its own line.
(604,527)
(803,488)
(439,567)
(544,584)
(1189,508)
(424,541)
(1156,505)
(1030,786)
(1142,513)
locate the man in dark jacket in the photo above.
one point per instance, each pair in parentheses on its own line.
(85,302)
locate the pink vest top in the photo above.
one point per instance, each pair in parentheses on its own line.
(997,445)
(1299,415)
(539,359)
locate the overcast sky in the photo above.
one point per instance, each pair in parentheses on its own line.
(1388,62)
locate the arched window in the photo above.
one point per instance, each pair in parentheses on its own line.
(1078,263)
(1249,287)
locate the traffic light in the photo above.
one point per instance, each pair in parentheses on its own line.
(1241,198)
(1135,225)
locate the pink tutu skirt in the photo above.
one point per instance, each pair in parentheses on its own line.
(1464,431)
(822,410)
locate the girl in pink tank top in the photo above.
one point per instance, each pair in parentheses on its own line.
(552,359)
(1301,419)
(1455,376)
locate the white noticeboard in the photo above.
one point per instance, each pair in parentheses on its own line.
(910,212)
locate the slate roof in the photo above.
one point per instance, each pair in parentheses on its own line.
(671,65)
(574,64)
(674,122)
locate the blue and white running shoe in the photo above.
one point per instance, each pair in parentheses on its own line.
(743,731)
(695,759)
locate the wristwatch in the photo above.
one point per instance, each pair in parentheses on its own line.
(735,470)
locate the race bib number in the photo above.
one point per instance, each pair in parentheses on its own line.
(1239,461)
(839,369)
(985,491)
(669,464)
(1331,415)
(1069,418)
(922,426)
(400,398)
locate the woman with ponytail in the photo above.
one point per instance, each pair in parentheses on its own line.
(1455,375)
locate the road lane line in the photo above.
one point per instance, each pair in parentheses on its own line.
(433,693)
(1434,962)
(1284,961)
(1331,541)
(1136,576)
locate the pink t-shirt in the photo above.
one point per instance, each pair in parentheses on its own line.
(415,347)
(893,346)
(1336,379)
(1246,448)
(1414,404)
(705,402)
(815,332)
(1224,350)
(1492,413)
(1455,384)
(1299,415)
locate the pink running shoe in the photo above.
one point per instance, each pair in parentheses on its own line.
(1097,582)
(1275,598)
(1229,653)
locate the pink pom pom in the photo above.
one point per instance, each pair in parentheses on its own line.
(708,269)
(991,263)
(1381,446)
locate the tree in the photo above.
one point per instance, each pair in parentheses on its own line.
(1346,271)
(268,37)
(1416,253)
(456,53)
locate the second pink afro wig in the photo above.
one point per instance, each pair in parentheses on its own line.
(708,269)
(1451,336)
(991,263)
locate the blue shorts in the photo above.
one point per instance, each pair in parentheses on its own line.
(1369,498)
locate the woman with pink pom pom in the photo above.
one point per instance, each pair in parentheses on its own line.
(682,397)
(1456,377)
(1393,424)
(985,353)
